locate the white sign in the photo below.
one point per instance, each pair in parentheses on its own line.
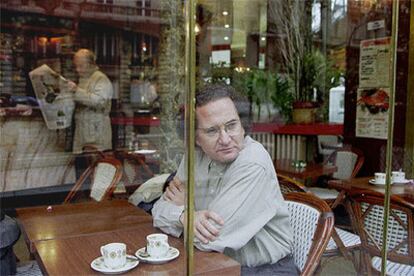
(375,25)
(374,63)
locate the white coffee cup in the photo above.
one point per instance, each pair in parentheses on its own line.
(157,245)
(398,177)
(114,254)
(380,178)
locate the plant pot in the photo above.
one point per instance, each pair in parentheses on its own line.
(304,112)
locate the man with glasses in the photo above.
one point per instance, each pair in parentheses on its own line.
(240,210)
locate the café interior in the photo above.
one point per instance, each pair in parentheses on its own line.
(330,88)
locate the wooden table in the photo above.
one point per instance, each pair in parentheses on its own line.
(312,170)
(66,238)
(68,220)
(74,255)
(404,190)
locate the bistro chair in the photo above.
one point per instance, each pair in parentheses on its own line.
(135,170)
(98,181)
(288,185)
(346,244)
(312,222)
(327,144)
(349,161)
(368,207)
(341,242)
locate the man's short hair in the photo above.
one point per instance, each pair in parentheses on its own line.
(213,92)
(87,54)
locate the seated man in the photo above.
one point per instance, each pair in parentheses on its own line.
(240,210)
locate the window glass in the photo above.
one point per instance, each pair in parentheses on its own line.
(92,108)
(313,74)
(86,81)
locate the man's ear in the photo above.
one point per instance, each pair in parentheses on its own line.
(197,140)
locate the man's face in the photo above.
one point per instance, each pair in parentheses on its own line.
(219,131)
(82,65)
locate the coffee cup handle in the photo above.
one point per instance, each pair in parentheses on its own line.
(102,250)
(165,244)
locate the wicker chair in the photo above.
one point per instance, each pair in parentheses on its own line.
(349,161)
(312,222)
(135,170)
(288,185)
(368,208)
(342,242)
(98,181)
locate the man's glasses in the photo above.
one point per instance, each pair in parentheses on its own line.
(232,128)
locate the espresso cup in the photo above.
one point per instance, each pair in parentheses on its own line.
(157,245)
(380,178)
(114,255)
(398,177)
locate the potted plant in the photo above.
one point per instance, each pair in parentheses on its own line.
(265,89)
(313,80)
(309,69)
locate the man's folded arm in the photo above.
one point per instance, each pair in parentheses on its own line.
(246,204)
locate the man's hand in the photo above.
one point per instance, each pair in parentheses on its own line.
(175,192)
(204,229)
(72,86)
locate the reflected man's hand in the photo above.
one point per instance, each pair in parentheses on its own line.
(175,192)
(72,86)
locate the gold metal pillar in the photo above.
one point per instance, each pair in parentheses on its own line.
(190,50)
(390,140)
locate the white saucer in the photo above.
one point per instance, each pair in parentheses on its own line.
(99,265)
(372,181)
(171,255)
(143,151)
(405,181)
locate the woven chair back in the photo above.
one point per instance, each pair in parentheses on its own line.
(312,222)
(348,160)
(289,185)
(368,209)
(135,170)
(98,181)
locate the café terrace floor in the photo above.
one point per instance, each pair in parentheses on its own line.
(335,266)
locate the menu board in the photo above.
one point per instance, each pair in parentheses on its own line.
(373,93)
(374,63)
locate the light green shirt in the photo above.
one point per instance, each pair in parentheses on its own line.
(246,194)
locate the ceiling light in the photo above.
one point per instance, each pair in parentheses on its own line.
(263,38)
(225,13)
(226,38)
(227,26)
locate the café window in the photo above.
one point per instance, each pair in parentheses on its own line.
(325,96)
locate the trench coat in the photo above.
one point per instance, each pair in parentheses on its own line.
(93,105)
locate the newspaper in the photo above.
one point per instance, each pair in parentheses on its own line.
(54,98)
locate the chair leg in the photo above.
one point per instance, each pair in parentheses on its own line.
(366,268)
(318,270)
